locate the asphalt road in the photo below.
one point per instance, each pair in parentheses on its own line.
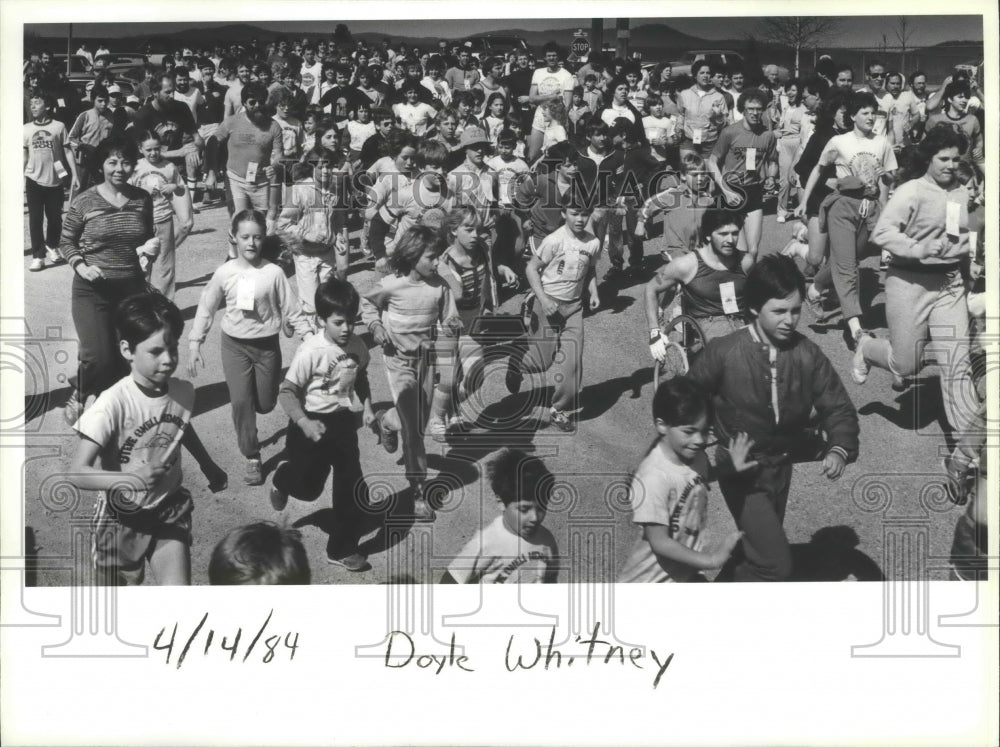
(840,530)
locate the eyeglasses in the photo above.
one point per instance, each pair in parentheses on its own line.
(876,75)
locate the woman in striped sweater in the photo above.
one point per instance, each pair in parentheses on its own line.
(102,232)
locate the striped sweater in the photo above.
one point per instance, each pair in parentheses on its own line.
(410,310)
(99,234)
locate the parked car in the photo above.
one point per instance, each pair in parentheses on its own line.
(84,82)
(491,45)
(77,63)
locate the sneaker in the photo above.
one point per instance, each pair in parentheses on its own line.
(781,218)
(354,562)
(850,339)
(386,435)
(899,384)
(422,510)
(514,375)
(859,366)
(37,264)
(253,474)
(562,421)
(53,257)
(279,499)
(613,275)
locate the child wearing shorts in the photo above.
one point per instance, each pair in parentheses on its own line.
(514,548)
(325,388)
(134,430)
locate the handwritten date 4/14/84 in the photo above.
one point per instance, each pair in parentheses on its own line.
(204,640)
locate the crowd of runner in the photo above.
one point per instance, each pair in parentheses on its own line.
(463,182)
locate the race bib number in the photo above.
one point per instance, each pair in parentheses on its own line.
(62,103)
(244,294)
(727,292)
(696,136)
(952,218)
(751,159)
(60,169)
(572,262)
(973,241)
(252,171)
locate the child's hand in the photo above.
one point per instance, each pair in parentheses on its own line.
(508,275)
(800,210)
(380,336)
(833,465)
(368,416)
(732,198)
(720,556)
(739,452)
(595,301)
(210,181)
(313,429)
(151,472)
(194,359)
(549,306)
(168,189)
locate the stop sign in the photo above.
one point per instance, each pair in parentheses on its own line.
(580,46)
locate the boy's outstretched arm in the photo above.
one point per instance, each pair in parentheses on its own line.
(665,546)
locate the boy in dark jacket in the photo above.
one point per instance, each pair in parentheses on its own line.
(765,380)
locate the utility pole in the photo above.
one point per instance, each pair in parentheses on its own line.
(596,36)
(621,26)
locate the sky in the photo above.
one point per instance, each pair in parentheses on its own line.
(856,30)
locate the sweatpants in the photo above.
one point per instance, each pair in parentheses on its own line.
(309,463)
(757,502)
(411,382)
(253,372)
(558,348)
(44,206)
(922,307)
(163,272)
(848,231)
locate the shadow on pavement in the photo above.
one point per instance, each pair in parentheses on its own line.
(597,399)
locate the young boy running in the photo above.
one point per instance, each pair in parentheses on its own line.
(765,380)
(564,263)
(325,387)
(136,427)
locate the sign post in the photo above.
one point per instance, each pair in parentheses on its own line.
(580,44)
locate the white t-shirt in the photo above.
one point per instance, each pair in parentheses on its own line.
(153,179)
(613,112)
(326,373)
(417,117)
(567,260)
(311,77)
(549,83)
(507,173)
(45,144)
(495,555)
(671,495)
(865,158)
(134,429)
(193,98)
(359,133)
(650,124)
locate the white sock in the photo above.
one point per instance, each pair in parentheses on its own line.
(854,324)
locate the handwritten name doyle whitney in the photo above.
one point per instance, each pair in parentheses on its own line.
(401,653)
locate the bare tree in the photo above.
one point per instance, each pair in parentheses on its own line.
(798,32)
(904,32)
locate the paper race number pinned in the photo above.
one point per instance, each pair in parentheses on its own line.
(60,169)
(696,136)
(751,159)
(62,103)
(244,294)
(252,171)
(952,218)
(973,241)
(727,292)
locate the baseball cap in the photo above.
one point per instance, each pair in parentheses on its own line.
(474,136)
(113,89)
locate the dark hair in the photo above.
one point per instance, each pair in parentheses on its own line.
(44,96)
(872,64)
(715,218)
(253,216)
(773,276)
(412,245)
(680,401)
(815,84)
(99,91)
(432,153)
(751,94)
(834,101)
(493,97)
(861,100)
(561,152)
(894,74)
(141,316)
(955,88)
(698,65)
(938,138)
(506,137)
(597,126)
(842,67)
(261,553)
(517,476)
(916,74)
(551,46)
(256,91)
(380,114)
(143,135)
(798,83)
(123,144)
(400,139)
(826,67)
(336,296)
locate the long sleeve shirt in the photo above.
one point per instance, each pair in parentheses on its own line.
(90,128)
(410,310)
(256,300)
(99,234)
(916,215)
